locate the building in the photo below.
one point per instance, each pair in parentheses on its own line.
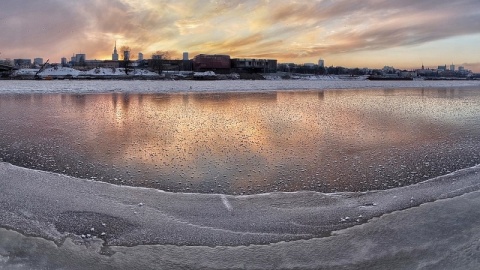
(185,56)
(452,67)
(321,63)
(64,61)
(254,65)
(140,56)
(309,65)
(388,70)
(38,61)
(22,63)
(80,59)
(115,53)
(442,68)
(212,62)
(126,56)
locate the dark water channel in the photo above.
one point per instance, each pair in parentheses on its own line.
(246,143)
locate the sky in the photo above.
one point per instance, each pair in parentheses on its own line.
(368,33)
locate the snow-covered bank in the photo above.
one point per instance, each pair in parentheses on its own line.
(14,86)
(61,209)
(66,72)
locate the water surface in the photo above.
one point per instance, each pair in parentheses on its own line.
(245,143)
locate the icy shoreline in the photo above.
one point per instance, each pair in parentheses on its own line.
(61,209)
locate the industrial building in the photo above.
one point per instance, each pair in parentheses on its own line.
(254,65)
(217,62)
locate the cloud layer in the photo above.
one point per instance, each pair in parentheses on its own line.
(291,31)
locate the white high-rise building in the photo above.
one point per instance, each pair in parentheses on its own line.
(321,63)
(140,56)
(185,56)
(115,53)
(452,67)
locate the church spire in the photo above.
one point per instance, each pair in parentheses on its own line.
(115,53)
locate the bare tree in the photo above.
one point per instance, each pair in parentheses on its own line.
(158,59)
(164,55)
(125,51)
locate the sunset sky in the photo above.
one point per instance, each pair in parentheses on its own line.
(367,33)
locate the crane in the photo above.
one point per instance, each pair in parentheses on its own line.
(41,69)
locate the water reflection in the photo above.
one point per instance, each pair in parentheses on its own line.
(246,142)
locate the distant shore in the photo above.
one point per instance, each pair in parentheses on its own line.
(231,76)
(65,73)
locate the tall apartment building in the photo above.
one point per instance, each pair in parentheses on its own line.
(38,61)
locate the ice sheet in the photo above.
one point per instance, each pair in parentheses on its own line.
(267,231)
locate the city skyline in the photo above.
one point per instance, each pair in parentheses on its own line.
(371,33)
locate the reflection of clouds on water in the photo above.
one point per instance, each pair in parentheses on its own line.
(259,142)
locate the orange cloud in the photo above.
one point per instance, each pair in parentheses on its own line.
(290,31)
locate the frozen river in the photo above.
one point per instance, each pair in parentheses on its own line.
(322,163)
(246,142)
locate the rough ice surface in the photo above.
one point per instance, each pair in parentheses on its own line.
(74,217)
(52,221)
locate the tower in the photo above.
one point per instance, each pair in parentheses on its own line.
(115,53)
(321,63)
